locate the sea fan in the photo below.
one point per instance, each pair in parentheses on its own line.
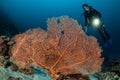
(64,48)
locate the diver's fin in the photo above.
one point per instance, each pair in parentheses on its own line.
(110,41)
(105,45)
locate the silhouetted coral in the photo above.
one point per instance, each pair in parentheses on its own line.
(112,70)
(110,76)
(28,71)
(13,78)
(64,48)
(73,77)
(14,67)
(5,44)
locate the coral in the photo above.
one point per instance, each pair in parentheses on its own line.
(5,44)
(12,78)
(64,48)
(8,74)
(73,77)
(3,47)
(110,76)
(112,70)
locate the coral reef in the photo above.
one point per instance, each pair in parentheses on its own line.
(8,74)
(73,77)
(112,70)
(5,44)
(109,76)
(114,65)
(109,72)
(12,78)
(63,49)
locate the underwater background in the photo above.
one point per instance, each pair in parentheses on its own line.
(21,15)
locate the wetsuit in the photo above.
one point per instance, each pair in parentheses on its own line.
(89,16)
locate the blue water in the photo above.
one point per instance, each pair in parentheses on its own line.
(25,14)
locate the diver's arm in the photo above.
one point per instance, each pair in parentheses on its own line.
(86,23)
(85,20)
(85,28)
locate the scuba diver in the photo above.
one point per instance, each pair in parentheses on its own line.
(93,18)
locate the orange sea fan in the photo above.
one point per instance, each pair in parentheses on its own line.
(64,48)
